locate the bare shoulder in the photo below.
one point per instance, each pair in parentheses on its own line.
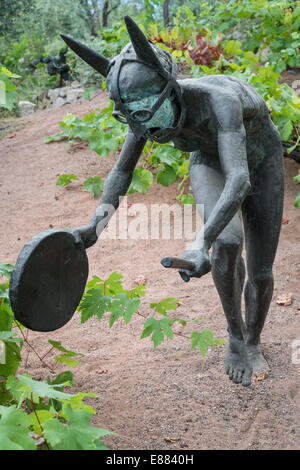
(226,98)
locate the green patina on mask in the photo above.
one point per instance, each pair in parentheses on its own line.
(163,117)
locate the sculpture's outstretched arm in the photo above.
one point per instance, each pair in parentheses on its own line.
(233,159)
(115,187)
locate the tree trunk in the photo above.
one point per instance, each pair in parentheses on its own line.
(166,13)
(95,24)
(106,12)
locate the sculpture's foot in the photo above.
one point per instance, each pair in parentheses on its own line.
(256,359)
(237,365)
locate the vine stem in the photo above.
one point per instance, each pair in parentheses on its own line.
(28,350)
(149,153)
(38,419)
(32,348)
(49,351)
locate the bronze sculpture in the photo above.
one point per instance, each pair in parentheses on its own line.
(235,169)
(55,65)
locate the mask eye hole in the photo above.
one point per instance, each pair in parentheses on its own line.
(142,115)
(119,117)
(153,130)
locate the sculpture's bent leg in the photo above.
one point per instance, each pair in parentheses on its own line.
(262,214)
(227,265)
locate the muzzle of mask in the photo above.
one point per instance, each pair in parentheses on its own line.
(151,117)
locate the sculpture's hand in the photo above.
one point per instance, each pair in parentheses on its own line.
(202,264)
(86,234)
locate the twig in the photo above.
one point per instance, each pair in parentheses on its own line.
(38,420)
(28,350)
(46,354)
(149,153)
(35,352)
(97,94)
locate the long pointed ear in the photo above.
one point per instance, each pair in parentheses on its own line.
(141,44)
(91,57)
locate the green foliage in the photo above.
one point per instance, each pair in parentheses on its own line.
(44,418)
(66,356)
(14,429)
(205,339)
(297,200)
(272,26)
(141,180)
(10,11)
(109,296)
(32,409)
(76,433)
(8,90)
(6,269)
(281,99)
(65,180)
(104,133)
(157,328)
(94,185)
(188,43)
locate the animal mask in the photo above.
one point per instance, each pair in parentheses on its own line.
(144,93)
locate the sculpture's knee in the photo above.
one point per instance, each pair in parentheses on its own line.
(226,250)
(261,281)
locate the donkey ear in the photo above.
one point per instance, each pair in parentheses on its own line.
(91,57)
(141,44)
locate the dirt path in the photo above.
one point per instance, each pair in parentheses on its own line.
(144,395)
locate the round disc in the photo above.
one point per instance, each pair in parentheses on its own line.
(48,280)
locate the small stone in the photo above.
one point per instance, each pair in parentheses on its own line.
(74,94)
(59,102)
(26,108)
(53,94)
(63,91)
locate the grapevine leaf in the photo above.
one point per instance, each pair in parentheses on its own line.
(43,416)
(166,176)
(203,340)
(6,269)
(42,389)
(94,303)
(157,338)
(94,185)
(57,345)
(157,328)
(114,283)
(64,179)
(12,359)
(168,303)
(14,429)
(141,181)
(77,434)
(6,316)
(8,336)
(297,201)
(297,177)
(77,403)
(121,306)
